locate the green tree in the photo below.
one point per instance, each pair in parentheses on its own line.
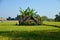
(44,18)
(9,18)
(57,17)
(18,17)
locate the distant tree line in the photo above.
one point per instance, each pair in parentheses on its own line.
(43,18)
(16,18)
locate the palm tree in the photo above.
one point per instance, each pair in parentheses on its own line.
(27,12)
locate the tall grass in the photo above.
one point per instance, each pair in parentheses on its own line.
(10,31)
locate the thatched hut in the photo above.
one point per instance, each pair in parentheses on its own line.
(29,21)
(3,19)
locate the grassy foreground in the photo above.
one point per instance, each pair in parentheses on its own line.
(10,31)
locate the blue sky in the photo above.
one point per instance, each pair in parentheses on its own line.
(44,7)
